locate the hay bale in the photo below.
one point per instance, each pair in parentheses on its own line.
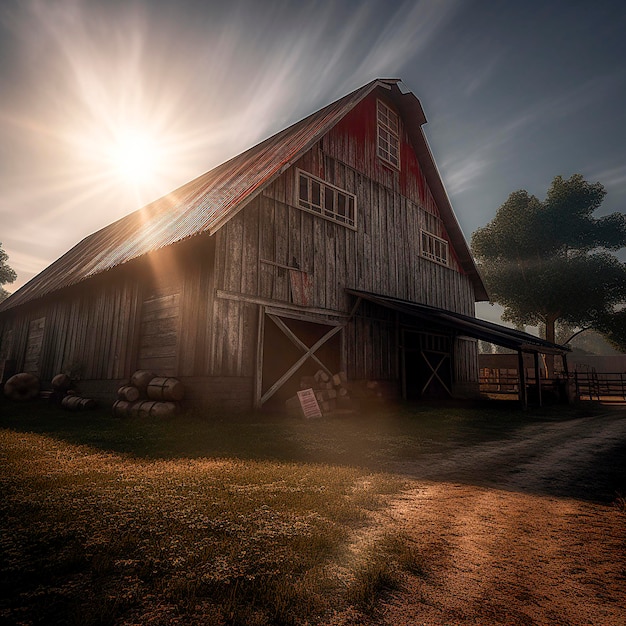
(322,377)
(128,393)
(340,378)
(150,408)
(75,403)
(122,408)
(166,389)
(141,379)
(22,387)
(61,382)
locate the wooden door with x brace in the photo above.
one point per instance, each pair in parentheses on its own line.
(426,365)
(292,347)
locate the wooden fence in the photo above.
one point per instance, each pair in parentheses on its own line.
(605,387)
(600,386)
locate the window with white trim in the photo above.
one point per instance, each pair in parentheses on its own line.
(388,146)
(315,195)
(434,248)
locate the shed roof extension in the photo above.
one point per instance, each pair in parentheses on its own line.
(204,204)
(466,325)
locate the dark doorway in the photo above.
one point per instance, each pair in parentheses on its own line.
(281,353)
(427,359)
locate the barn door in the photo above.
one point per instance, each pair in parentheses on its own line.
(159,332)
(34,343)
(292,348)
(427,365)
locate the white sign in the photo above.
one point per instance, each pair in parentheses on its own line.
(308,402)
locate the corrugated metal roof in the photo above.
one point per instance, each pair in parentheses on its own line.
(204,204)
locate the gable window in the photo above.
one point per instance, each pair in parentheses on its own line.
(388,145)
(434,248)
(326,200)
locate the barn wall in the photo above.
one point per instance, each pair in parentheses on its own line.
(151,313)
(89,332)
(466,367)
(263,249)
(273,251)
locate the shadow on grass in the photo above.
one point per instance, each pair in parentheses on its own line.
(375,439)
(404,439)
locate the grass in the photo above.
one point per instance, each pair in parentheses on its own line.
(206,519)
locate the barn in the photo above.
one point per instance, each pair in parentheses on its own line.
(331,245)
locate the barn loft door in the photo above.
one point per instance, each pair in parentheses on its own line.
(427,365)
(292,348)
(159,332)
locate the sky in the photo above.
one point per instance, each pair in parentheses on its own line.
(105,106)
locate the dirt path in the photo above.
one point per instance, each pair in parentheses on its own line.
(518,532)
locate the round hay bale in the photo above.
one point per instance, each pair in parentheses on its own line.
(122,408)
(61,382)
(151,408)
(128,393)
(166,389)
(22,387)
(75,403)
(141,378)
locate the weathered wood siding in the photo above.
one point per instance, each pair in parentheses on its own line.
(152,313)
(34,342)
(274,251)
(160,330)
(88,332)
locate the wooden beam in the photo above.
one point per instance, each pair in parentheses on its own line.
(297,341)
(403,364)
(239,297)
(305,317)
(523,393)
(435,370)
(528,347)
(537,377)
(258,375)
(298,364)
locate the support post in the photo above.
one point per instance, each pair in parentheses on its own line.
(537,377)
(523,392)
(258,375)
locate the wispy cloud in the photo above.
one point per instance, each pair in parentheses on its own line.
(612,176)
(467,163)
(465,172)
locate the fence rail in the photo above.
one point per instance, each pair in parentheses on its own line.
(600,386)
(607,387)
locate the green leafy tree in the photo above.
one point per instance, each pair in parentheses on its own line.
(7,274)
(550,262)
(613,327)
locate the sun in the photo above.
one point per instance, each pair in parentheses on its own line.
(134,156)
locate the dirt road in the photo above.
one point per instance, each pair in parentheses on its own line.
(523,531)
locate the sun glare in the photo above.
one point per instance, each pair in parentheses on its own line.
(134,157)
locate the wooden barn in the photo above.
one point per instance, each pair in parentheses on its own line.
(331,245)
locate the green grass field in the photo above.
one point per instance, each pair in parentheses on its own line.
(209,519)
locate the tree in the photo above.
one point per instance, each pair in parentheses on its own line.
(613,327)
(7,274)
(549,262)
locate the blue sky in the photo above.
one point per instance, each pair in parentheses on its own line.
(515,93)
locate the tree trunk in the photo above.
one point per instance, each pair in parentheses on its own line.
(550,336)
